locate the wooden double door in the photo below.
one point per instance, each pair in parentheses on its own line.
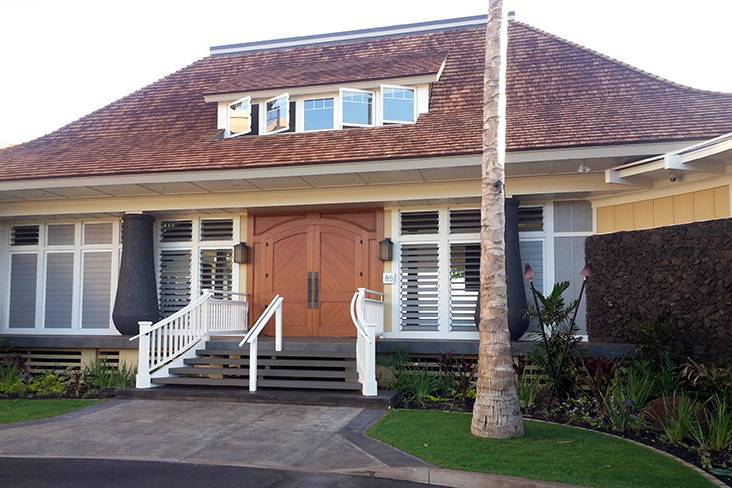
(315,261)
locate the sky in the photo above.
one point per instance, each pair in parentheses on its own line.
(60,60)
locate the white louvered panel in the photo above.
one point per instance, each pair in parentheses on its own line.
(216,271)
(217,229)
(531,219)
(419,286)
(464,284)
(23,290)
(176,230)
(415,223)
(24,235)
(465,221)
(59,289)
(96,290)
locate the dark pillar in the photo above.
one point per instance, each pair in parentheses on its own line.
(137,296)
(518,321)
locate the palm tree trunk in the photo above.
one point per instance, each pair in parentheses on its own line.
(497,413)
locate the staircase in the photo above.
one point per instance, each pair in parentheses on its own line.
(320,364)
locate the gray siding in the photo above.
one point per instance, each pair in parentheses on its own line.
(96,290)
(23,290)
(569,259)
(59,289)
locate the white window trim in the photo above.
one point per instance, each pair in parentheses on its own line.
(228,133)
(41,251)
(414,104)
(341,91)
(302,101)
(286,96)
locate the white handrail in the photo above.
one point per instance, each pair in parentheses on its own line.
(166,343)
(274,308)
(368,316)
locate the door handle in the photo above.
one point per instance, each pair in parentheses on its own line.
(316,291)
(310,290)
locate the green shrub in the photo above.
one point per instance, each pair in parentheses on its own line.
(47,385)
(639,383)
(682,413)
(101,375)
(13,388)
(11,380)
(529,387)
(714,431)
(418,385)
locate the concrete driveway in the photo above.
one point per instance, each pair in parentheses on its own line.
(307,438)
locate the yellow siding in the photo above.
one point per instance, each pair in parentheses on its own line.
(695,206)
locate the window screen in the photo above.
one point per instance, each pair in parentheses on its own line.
(23,290)
(464,283)
(59,289)
(420,223)
(419,286)
(96,290)
(175,280)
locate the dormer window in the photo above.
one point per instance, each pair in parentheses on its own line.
(318,114)
(357,107)
(398,104)
(277,111)
(239,117)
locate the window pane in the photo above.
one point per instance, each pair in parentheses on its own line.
(464,284)
(419,280)
(278,114)
(319,114)
(464,221)
(98,233)
(240,117)
(357,107)
(96,290)
(398,105)
(419,222)
(217,229)
(531,219)
(176,230)
(60,234)
(59,289)
(23,291)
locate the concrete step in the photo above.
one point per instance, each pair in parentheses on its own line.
(305,363)
(264,373)
(264,383)
(289,344)
(261,353)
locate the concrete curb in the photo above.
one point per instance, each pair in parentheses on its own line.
(457,479)
(705,474)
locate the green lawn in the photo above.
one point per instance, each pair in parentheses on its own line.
(20,410)
(548,452)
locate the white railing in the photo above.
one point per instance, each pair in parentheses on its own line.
(274,308)
(166,343)
(368,317)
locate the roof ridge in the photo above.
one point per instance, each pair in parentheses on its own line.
(618,62)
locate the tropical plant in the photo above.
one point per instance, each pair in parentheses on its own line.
(681,414)
(102,375)
(639,382)
(497,411)
(714,431)
(459,373)
(418,385)
(708,381)
(46,385)
(529,387)
(11,379)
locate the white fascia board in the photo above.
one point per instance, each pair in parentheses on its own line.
(247,173)
(315,89)
(590,152)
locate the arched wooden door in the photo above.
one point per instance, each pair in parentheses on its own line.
(316,261)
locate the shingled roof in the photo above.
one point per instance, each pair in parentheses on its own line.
(559,95)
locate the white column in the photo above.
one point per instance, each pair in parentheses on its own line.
(143,357)
(253,365)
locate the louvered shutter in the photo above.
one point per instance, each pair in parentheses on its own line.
(23,290)
(465,221)
(176,231)
(217,229)
(216,271)
(24,235)
(175,280)
(59,289)
(419,286)
(415,223)
(464,284)
(96,290)
(531,219)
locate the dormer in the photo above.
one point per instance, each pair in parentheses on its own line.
(326,97)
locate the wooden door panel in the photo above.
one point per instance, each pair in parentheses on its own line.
(289,269)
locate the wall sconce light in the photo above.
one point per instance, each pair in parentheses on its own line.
(242,253)
(386,250)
